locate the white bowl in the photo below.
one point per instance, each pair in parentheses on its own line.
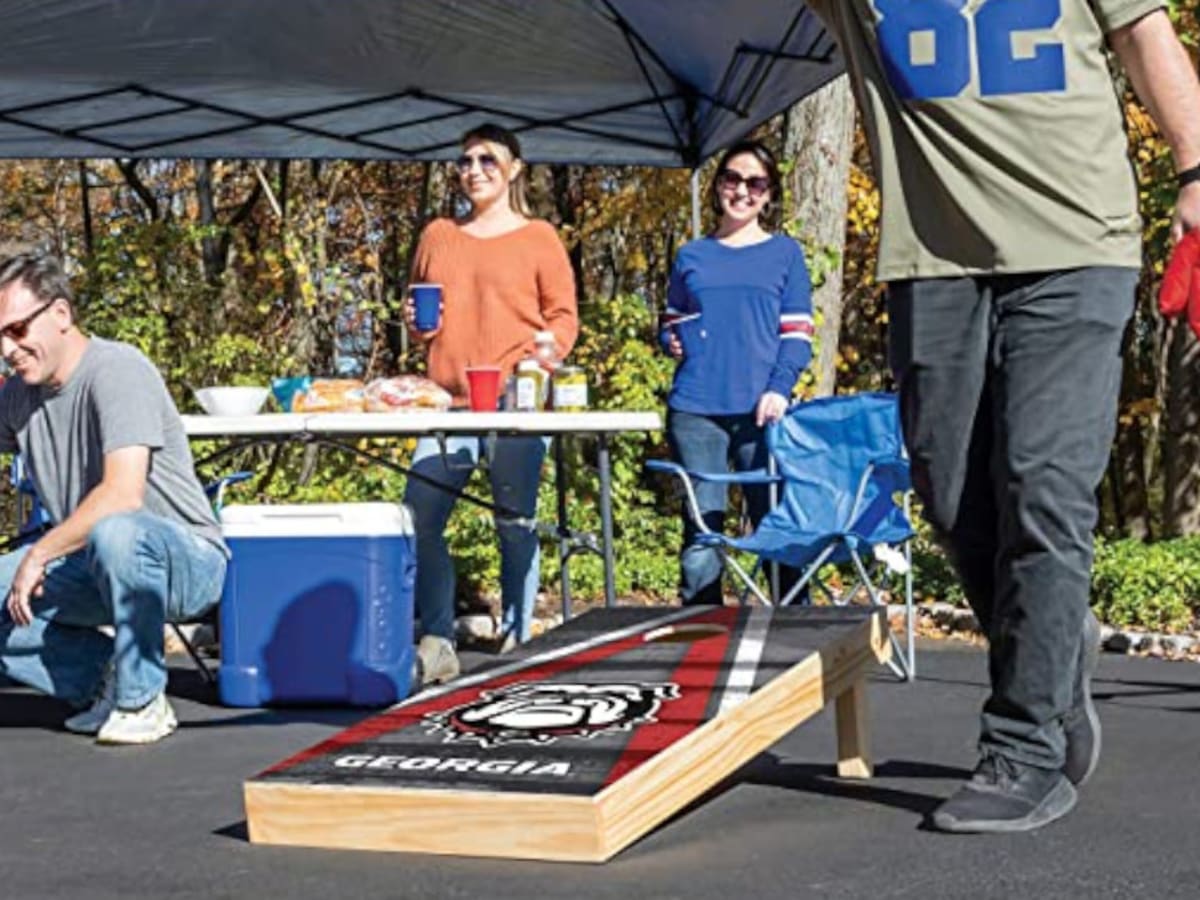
(232,401)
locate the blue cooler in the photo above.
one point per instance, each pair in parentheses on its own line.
(318,604)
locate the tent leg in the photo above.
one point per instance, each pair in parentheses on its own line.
(696,203)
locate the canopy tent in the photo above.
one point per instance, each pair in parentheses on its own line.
(654,82)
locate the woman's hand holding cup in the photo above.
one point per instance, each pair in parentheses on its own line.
(423,309)
(674,345)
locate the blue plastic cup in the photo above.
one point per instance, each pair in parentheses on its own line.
(427,305)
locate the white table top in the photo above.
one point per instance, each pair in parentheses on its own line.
(418,423)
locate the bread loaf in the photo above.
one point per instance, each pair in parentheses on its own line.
(330,395)
(405,392)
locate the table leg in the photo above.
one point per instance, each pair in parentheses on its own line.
(564,540)
(606,522)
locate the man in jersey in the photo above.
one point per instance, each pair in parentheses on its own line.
(1011,245)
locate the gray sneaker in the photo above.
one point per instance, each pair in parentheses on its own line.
(91,719)
(1082,724)
(1005,796)
(437,659)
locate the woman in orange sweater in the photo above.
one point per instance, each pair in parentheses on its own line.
(504,277)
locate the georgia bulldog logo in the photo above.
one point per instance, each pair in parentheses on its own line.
(540,713)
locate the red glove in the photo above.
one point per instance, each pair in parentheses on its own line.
(1180,289)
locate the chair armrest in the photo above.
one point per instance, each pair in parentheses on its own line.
(214,487)
(216,490)
(751,476)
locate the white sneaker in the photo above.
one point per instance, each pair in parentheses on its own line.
(439,662)
(151,723)
(89,720)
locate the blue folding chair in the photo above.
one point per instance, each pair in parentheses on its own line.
(32,518)
(843,476)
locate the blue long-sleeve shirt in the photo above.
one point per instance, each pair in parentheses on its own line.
(744,315)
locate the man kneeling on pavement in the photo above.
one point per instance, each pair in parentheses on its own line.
(134,541)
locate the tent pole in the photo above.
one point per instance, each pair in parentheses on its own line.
(696,203)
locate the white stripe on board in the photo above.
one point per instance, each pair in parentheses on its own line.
(551,655)
(746,658)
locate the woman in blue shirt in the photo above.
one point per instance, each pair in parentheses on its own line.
(739,321)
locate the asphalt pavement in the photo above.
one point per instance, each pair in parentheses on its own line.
(166,821)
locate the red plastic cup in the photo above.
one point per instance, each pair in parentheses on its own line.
(483,388)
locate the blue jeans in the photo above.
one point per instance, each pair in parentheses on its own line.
(515,465)
(137,572)
(716,444)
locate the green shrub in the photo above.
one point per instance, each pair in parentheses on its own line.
(1151,586)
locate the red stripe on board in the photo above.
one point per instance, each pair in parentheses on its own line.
(409,715)
(698,675)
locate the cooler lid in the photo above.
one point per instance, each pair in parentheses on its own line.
(316,520)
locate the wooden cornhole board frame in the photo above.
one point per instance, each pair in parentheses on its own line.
(582,741)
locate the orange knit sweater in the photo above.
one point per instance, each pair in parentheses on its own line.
(496,292)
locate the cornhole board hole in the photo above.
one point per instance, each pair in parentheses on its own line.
(582,741)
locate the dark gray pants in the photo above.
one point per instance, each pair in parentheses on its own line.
(1008,393)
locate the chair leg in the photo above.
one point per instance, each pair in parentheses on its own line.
(853,735)
(902,657)
(746,577)
(205,671)
(909,627)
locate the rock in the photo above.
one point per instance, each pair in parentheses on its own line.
(1118,642)
(964,620)
(172,645)
(1178,644)
(1148,643)
(205,637)
(475,629)
(943,615)
(1106,634)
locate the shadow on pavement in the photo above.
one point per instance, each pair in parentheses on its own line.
(237,832)
(25,709)
(769,770)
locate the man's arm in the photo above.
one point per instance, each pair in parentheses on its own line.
(1165,81)
(122,488)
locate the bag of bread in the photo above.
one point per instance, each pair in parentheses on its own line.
(326,395)
(405,393)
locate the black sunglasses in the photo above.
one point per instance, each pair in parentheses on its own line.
(756,185)
(16,331)
(487,162)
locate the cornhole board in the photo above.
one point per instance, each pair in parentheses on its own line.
(581,741)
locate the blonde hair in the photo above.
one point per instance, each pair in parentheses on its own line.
(506,142)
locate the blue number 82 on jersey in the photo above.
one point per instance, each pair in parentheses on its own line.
(926,47)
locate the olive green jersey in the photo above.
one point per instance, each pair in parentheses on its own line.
(996,131)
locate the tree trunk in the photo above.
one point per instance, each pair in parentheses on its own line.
(819,137)
(566,190)
(1130,466)
(1181,433)
(86,202)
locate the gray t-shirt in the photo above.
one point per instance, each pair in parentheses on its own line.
(115,398)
